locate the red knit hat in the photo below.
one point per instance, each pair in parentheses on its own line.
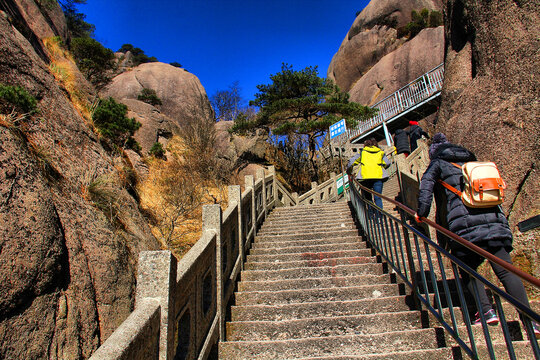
(411,123)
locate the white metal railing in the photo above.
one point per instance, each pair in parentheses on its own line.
(405,98)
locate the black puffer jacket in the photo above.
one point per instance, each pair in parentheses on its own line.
(401,141)
(416,132)
(486,227)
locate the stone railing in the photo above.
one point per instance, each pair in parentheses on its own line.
(410,171)
(180,307)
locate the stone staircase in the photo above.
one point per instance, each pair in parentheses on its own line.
(312,289)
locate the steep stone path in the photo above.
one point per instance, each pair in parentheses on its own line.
(312,289)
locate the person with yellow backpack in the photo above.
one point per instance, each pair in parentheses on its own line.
(369,167)
(467,197)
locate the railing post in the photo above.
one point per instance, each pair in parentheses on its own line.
(314,186)
(156,278)
(235,196)
(250,183)
(333,176)
(272,171)
(431,88)
(398,97)
(295,197)
(261,175)
(211,221)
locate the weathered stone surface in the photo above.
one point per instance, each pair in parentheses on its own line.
(490,99)
(357,55)
(155,126)
(45,20)
(369,39)
(67,267)
(423,53)
(184,98)
(240,150)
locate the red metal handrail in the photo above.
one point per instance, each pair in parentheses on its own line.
(522,274)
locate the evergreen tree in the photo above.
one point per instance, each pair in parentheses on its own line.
(300,102)
(76,24)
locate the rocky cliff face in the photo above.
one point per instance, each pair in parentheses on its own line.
(396,69)
(69,232)
(372,36)
(184,99)
(490,99)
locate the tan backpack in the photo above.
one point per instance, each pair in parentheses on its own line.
(483,185)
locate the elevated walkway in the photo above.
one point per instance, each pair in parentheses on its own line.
(414,101)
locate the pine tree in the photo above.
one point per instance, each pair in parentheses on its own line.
(300,102)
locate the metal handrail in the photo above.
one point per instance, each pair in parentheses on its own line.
(407,97)
(382,231)
(522,274)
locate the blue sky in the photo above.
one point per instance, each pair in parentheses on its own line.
(222,41)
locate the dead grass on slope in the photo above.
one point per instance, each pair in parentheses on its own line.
(173,196)
(67,74)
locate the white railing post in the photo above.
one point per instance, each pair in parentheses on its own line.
(211,221)
(156,278)
(314,186)
(250,183)
(261,175)
(334,177)
(235,197)
(272,171)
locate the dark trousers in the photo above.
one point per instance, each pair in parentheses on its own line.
(512,283)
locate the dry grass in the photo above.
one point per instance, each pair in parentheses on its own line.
(65,71)
(173,196)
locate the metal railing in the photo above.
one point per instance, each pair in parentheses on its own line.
(408,97)
(432,274)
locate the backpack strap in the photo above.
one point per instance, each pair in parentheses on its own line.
(448,186)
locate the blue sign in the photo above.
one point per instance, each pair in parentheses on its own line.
(338,128)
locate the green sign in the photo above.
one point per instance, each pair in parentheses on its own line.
(340,185)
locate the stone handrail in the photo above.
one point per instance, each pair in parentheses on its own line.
(410,171)
(325,192)
(180,307)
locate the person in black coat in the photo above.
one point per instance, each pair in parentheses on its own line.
(401,142)
(415,132)
(485,227)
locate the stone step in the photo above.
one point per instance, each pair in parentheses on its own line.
(522,349)
(322,327)
(318,234)
(327,207)
(335,345)
(335,204)
(283,228)
(276,265)
(313,283)
(495,332)
(307,218)
(325,271)
(313,255)
(269,243)
(445,353)
(317,295)
(321,309)
(308,249)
